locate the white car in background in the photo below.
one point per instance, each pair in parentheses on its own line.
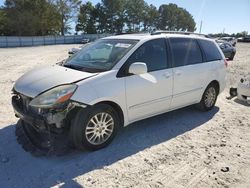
(112,83)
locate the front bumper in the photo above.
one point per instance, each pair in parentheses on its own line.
(50,120)
(53,119)
(30,117)
(37,129)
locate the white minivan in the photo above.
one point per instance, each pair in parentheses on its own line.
(110,84)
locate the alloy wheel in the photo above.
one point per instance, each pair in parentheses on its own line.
(99,128)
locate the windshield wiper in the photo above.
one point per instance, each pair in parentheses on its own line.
(93,70)
(61,62)
(85,69)
(72,66)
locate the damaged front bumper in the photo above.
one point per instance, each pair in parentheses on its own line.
(29,117)
(54,119)
(44,131)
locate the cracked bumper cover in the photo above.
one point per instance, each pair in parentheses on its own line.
(30,118)
(42,121)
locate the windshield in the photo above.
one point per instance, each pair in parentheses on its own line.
(101,55)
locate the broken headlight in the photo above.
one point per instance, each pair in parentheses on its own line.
(54,97)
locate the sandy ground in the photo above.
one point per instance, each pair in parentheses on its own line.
(184,148)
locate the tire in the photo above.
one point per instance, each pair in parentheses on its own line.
(89,132)
(205,104)
(231,56)
(24,139)
(40,144)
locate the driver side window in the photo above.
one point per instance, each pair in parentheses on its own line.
(153,53)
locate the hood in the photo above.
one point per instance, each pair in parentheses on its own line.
(41,79)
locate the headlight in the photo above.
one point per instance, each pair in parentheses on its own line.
(54,96)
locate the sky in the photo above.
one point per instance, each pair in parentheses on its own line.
(230,16)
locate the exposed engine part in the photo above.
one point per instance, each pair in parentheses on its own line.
(54,116)
(57,117)
(47,135)
(77,104)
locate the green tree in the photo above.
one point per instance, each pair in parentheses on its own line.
(87,18)
(135,14)
(175,18)
(150,17)
(106,17)
(3,20)
(48,17)
(114,12)
(30,17)
(101,19)
(244,33)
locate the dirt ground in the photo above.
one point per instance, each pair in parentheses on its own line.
(184,148)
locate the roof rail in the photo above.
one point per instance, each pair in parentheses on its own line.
(139,33)
(176,32)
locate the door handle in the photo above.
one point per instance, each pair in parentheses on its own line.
(178,73)
(167,75)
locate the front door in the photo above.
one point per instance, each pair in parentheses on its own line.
(150,93)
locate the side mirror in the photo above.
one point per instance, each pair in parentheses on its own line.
(138,68)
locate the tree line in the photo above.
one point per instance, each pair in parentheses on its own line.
(55,17)
(236,35)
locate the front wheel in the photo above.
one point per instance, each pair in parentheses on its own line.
(40,143)
(209,98)
(94,128)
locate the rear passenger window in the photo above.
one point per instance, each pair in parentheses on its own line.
(153,53)
(210,49)
(185,51)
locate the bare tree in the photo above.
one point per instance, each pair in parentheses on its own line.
(67,10)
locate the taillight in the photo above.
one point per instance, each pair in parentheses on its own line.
(225,62)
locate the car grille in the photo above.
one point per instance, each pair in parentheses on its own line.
(22,101)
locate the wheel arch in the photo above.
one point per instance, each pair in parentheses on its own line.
(117,108)
(217,85)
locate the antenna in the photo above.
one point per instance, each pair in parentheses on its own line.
(200,27)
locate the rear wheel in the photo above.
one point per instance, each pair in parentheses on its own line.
(94,128)
(232,56)
(209,98)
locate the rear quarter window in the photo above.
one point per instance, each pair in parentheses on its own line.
(211,51)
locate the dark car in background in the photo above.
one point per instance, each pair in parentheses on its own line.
(231,40)
(228,50)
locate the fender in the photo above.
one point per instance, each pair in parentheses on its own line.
(102,87)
